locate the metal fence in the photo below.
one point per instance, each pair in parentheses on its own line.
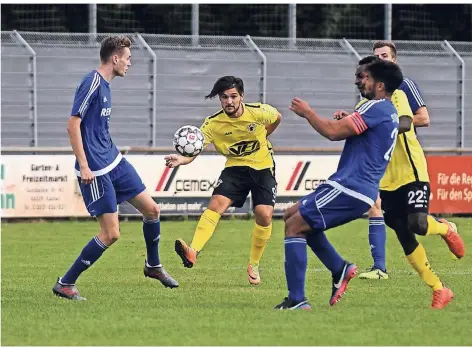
(170,75)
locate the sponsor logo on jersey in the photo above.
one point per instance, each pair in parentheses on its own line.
(106,112)
(244,148)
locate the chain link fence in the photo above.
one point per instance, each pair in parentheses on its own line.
(171,74)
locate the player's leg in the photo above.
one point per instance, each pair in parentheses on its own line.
(377,241)
(326,208)
(204,231)
(231,190)
(129,187)
(153,268)
(261,234)
(414,251)
(421,223)
(100,200)
(264,193)
(416,255)
(295,263)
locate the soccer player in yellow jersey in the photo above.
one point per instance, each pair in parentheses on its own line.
(386,50)
(404,194)
(238,131)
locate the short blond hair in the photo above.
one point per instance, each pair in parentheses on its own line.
(384,43)
(112,45)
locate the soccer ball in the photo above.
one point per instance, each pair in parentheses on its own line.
(188,141)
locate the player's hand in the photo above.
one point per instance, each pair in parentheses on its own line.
(300,107)
(173,160)
(86,175)
(338,115)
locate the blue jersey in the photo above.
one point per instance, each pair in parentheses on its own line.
(92,103)
(413,94)
(365,156)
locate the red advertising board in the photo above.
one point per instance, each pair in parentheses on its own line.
(451,184)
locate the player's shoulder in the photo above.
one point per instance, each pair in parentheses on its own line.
(261,107)
(93,77)
(373,105)
(408,84)
(381,109)
(215,115)
(253,105)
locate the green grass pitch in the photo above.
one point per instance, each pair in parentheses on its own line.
(214,304)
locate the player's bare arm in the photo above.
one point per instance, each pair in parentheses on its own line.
(404,124)
(75,137)
(421,117)
(334,130)
(271,127)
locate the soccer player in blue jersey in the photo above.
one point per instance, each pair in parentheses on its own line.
(370,133)
(106,178)
(386,50)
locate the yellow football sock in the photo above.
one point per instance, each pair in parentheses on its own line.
(205,228)
(420,263)
(260,236)
(436,228)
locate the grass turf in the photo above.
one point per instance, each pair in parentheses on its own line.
(214,304)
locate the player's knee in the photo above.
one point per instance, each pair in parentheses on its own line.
(418,223)
(111,234)
(263,216)
(292,228)
(376,209)
(153,212)
(291,211)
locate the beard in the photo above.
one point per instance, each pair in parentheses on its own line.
(234,110)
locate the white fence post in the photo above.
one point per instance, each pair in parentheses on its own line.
(153,78)
(252,45)
(34,92)
(461,87)
(195,24)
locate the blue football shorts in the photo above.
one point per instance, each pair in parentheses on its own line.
(107,191)
(328,207)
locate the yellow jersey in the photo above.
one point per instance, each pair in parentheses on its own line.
(408,162)
(243,140)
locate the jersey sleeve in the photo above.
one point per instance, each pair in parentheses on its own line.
(207,133)
(368,115)
(85,94)
(413,94)
(268,114)
(400,101)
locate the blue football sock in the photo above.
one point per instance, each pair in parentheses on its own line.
(377,241)
(325,251)
(152,234)
(89,255)
(295,267)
